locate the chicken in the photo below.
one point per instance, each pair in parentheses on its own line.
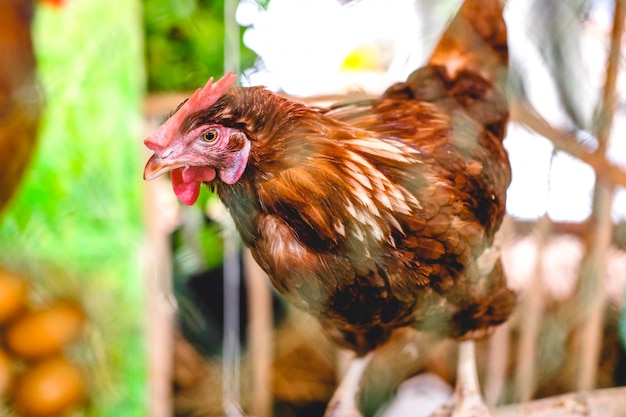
(374,215)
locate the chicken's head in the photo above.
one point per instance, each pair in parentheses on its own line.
(197,152)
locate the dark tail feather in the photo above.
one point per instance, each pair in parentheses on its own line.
(467,69)
(475,41)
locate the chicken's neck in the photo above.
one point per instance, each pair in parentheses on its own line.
(293,167)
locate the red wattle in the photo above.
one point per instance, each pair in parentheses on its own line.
(187,192)
(198,174)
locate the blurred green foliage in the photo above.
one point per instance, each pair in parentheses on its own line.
(75,226)
(184,43)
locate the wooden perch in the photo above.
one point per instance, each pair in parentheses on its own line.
(610,402)
(525,114)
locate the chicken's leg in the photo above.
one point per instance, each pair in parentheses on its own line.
(344,401)
(467,400)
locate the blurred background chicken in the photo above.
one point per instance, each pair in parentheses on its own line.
(20,101)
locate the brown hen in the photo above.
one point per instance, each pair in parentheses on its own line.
(374,215)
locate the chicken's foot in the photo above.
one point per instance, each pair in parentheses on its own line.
(467,400)
(344,402)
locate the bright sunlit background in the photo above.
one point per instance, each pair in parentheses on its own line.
(316,48)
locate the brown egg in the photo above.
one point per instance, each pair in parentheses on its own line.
(49,388)
(44,332)
(6,373)
(12,295)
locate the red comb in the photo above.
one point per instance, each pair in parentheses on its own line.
(202,98)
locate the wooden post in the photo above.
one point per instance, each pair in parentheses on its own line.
(590,289)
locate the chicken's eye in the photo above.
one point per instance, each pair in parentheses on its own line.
(210,135)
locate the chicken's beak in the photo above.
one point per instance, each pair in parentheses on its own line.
(156,167)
